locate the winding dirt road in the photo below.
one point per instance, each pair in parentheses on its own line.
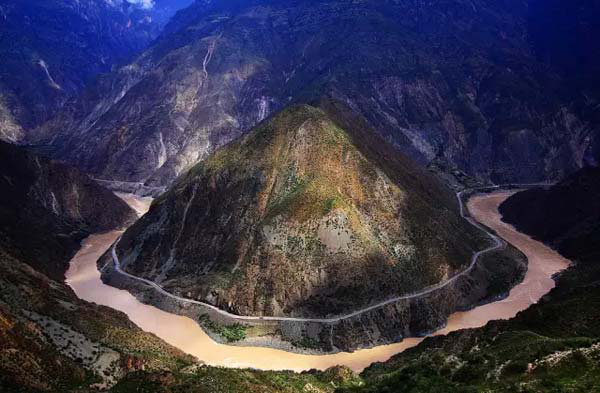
(182,332)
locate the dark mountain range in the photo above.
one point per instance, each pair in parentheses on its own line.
(467,84)
(52,49)
(564,36)
(46,209)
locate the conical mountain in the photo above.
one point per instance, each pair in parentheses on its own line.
(301,217)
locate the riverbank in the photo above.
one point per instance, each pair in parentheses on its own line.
(492,272)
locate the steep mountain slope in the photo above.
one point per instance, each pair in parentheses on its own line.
(51,49)
(46,209)
(458,82)
(566,215)
(49,339)
(564,34)
(291,218)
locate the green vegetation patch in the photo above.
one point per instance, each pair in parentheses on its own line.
(307,343)
(231,333)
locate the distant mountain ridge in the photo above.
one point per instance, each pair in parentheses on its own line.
(461,83)
(52,49)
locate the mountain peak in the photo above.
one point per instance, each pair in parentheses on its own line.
(291,218)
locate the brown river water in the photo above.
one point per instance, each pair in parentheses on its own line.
(185,334)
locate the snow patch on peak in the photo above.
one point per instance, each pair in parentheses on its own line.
(144,4)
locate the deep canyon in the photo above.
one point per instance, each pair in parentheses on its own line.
(292,196)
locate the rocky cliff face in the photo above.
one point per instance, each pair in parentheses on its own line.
(463,83)
(52,49)
(291,219)
(46,208)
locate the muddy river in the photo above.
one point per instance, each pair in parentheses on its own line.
(185,334)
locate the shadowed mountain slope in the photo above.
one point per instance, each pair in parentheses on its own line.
(46,209)
(463,83)
(566,215)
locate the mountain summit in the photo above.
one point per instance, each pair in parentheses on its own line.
(301,217)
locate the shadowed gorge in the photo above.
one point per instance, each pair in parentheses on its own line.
(47,208)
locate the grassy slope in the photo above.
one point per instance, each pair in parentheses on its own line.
(29,360)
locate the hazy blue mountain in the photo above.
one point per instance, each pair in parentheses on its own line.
(51,49)
(463,84)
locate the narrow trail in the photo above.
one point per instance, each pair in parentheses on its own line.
(498,244)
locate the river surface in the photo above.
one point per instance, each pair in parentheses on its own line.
(185,334)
